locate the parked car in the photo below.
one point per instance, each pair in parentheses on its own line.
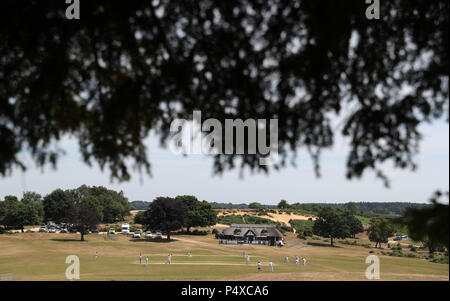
(95,231)
(43,229)
(112,231)
(52,229)
(64,230)
(148,234)
(158,235)
(137,234)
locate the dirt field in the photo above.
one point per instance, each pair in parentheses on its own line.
(282,217)
(41,256)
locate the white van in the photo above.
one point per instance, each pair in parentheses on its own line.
(125,228)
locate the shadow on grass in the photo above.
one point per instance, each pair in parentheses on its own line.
(316,244)
(152,240)
(67,239)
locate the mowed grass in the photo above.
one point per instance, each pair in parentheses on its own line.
(41,256)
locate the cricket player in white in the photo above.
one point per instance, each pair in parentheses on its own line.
(146,261)
(96,255)
(304,260)
(248,259)
(296,260)
(271,266)
(286,259)
(140,258)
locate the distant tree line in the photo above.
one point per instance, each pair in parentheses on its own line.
(368,209)
(428,224)
(171,214)
(216,205)
(60,205)
(139,205)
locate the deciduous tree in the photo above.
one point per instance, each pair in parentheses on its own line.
(166,214)
(126,68)
(331,224)
(199,214)
(83,219)
(380,230)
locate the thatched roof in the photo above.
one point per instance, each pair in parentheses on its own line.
(242,230)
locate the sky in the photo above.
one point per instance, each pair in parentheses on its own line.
(174,175)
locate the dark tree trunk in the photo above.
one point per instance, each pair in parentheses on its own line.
(332,241)
(168,235)
(21,228)
(82,235)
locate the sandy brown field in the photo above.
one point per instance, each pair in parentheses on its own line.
(282,217)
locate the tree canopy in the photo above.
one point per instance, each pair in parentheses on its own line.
(283,204)
(17,214)
(380,230)
(355,226)
(165,214)
(83,218)
(199,214)
(109,205)
(255,205)
(429,224)
(331,224)
(126,68)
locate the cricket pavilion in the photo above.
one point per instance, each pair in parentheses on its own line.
(251,234)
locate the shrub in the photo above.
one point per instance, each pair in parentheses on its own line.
(442,260)
(351,243)
(230,219)
(303,228)
(397,247)
(133,228)
(398,253)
